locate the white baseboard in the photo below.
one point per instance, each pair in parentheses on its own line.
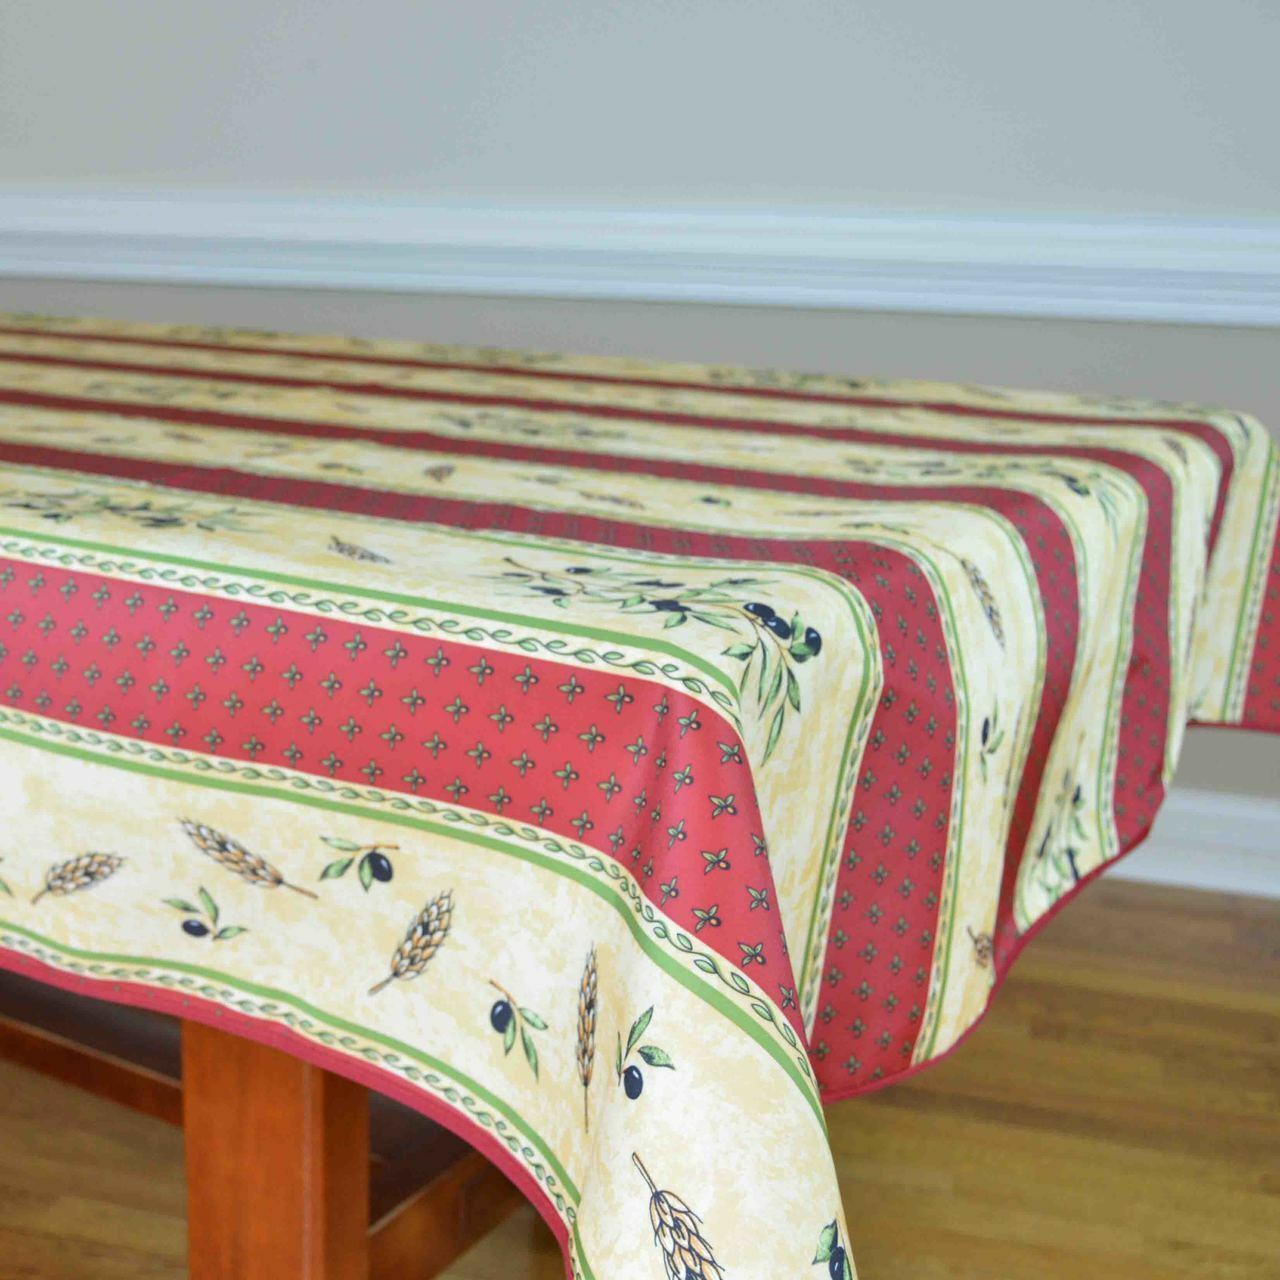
(1184,270)
(1211,840)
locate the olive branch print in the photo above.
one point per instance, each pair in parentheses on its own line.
(1099,490)
(768,645)
(78,873)
(509,1016)
(992,736)
(630,591)
(1064,835)
(833,1253)
(686,1255)
(775,649)
(60,508)
(374,865)
(630,1077)
(202,921)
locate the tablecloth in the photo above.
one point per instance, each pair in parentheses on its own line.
(617,761)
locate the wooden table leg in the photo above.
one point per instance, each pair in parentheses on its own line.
(277,1155)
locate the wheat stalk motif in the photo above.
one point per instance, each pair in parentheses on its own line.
(987,600)
(232,855)
(423,939)
(587,996)
(685,1253)
(78,873)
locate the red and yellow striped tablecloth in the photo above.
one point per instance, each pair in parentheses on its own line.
(617,761)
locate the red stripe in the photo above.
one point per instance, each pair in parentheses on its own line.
(1262,699)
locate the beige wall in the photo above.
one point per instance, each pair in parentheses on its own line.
(1156,106)
(1239,367)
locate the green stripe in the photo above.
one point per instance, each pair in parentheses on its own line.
(709,995)
(587,1273)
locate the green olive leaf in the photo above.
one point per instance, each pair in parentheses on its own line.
(231,931)
(336,869)
(826,1242)
(210,907)
(764,669)
(181,904)
(775,732)
(776,687)
(533,1019)
(509,1036)
(343,846)
(712,621)
(530,1051)
(638,1029)
(366,873)
(793,690)
(656,1057)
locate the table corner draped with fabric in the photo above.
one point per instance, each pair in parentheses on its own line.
(615,761)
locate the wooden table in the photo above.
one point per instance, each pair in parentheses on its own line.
(292,1171)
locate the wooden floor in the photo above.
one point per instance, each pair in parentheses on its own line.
(1117,1117)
